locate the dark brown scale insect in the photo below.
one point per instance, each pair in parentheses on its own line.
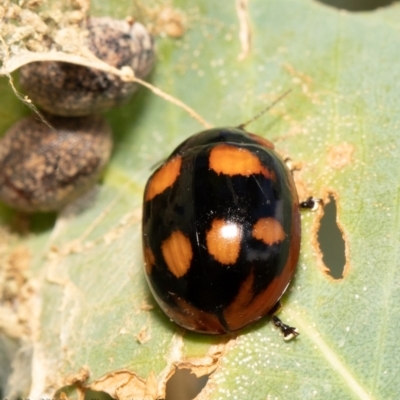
(221,231)
(44,168)
(72,90)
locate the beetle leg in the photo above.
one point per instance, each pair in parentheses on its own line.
(312,203)
(289,332)
(291,165)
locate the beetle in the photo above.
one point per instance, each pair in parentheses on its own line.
(221,231)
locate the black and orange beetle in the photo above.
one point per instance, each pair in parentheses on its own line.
(221,231)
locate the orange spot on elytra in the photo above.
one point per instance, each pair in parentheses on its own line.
(149,260)
(247,308)
(177,253)
(233,314)
(268,230)
(232,160)
(163,178)
(223,241)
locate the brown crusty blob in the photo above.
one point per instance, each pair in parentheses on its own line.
(43,168)
(72,90)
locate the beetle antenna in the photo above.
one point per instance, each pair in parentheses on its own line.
(277,100)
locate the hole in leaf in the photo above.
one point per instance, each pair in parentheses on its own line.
(75,392)
(94,395)
(331,242)
(184,385)
(357,5)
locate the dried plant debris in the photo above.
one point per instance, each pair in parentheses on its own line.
(164,20)
(34,31)
(40,26)
(73,90)
(16,291)
(43,168)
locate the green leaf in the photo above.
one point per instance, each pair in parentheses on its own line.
(91,307)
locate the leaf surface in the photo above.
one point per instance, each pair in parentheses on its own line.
(340,124)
